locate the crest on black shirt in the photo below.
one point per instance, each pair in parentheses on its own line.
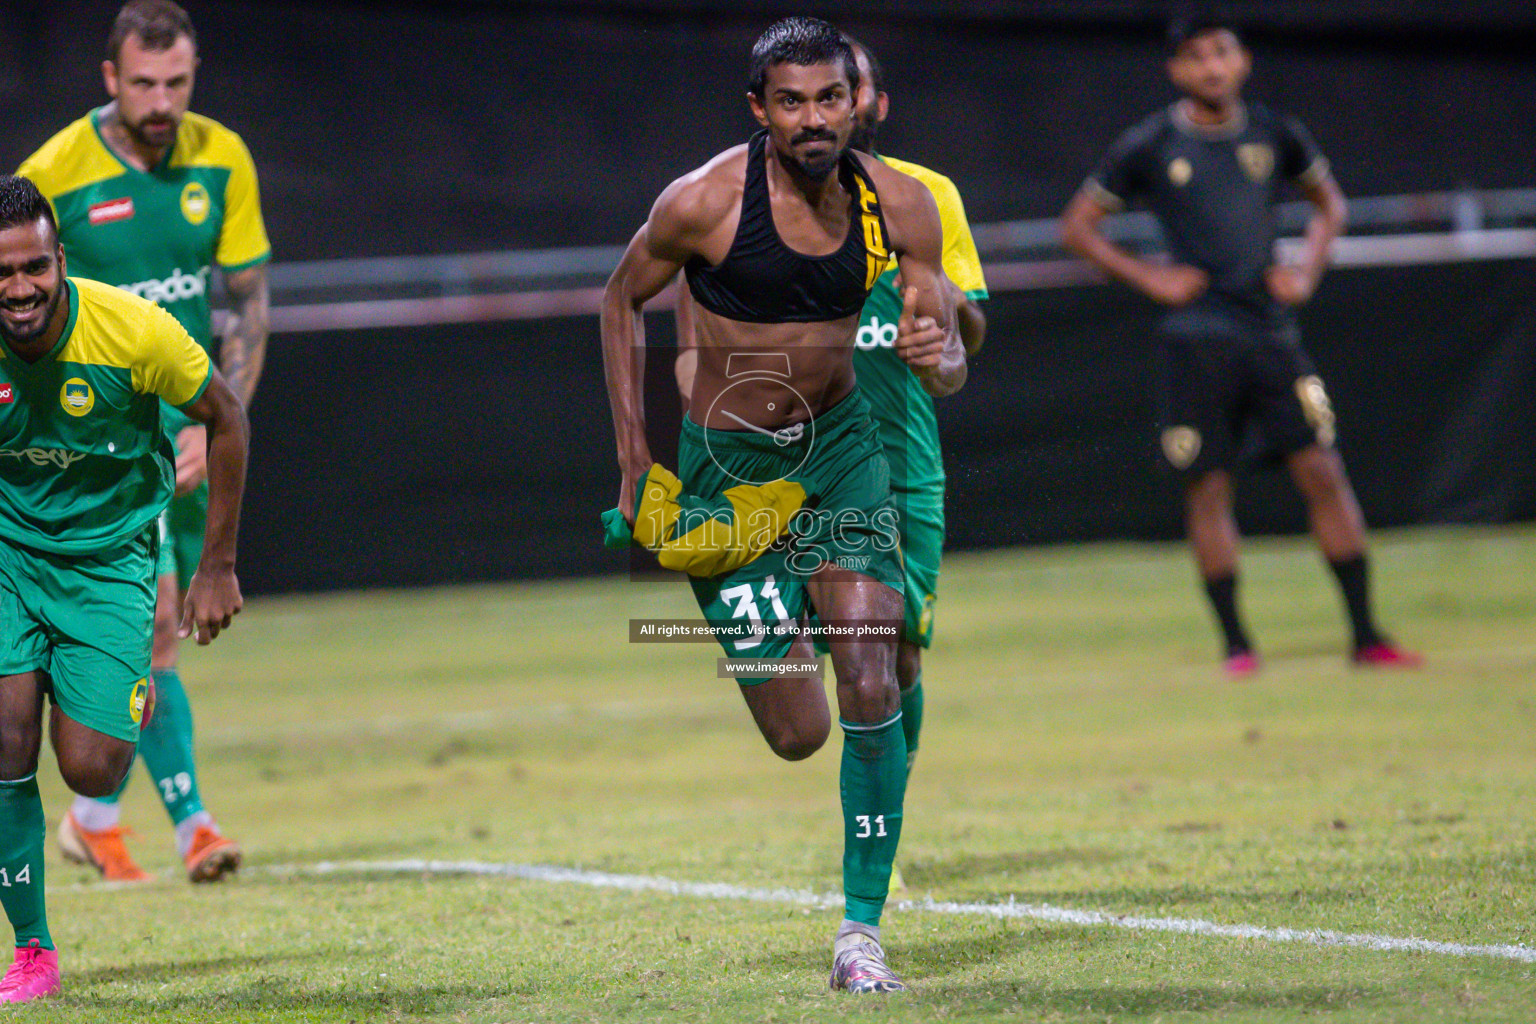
(1181,446)
(1257,159)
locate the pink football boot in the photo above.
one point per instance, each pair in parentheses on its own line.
(34,975)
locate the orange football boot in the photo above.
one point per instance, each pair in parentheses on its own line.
(102,850)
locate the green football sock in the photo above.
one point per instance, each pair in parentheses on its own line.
(21,860)
(166,746)
(874,783)
(912,718)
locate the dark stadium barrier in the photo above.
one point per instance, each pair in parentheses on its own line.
(1430,370)
(478,126)
(479,452)
(431,455)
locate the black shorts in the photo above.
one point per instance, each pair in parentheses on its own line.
(1220,397)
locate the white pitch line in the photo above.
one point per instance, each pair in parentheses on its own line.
(827,901)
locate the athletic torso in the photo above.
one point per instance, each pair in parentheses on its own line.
(776,313)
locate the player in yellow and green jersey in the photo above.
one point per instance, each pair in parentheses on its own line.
(909,431)
(86,468)
(150,197)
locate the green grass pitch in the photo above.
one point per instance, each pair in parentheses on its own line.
(1081,752)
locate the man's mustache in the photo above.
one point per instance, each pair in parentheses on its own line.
(813,135)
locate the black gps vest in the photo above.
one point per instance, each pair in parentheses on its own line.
(762,280)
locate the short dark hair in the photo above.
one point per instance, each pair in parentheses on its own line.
(157,23)
(1191,24)
(21,203)
(803,41)
(876,72)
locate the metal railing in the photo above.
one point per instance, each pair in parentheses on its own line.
(519,284)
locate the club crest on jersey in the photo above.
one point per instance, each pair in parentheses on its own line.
(137,700)
(110,210)
(7,394)
(1258,159)
(1181,446)
(195,203)
(1180,171)
(76,397)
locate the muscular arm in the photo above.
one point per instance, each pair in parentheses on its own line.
(927,337)
(244,348)
(653,258)
(241,356)
(972,323)
(1170,285)
(681,223)
(213,597)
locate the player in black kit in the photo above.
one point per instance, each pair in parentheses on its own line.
(1210,167)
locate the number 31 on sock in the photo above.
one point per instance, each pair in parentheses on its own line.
(864,831)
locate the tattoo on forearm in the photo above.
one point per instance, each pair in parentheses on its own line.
(244,348)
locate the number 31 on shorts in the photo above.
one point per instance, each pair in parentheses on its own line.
(744,597)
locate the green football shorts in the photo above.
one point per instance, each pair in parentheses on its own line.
(185,519)
(922,542)
(848,519)
(86,620)
(922,547)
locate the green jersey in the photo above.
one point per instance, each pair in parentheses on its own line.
(85,463)
(909,430)
(155,233)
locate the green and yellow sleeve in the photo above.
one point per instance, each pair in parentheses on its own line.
(243,238)
(962,263)
(168,363)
